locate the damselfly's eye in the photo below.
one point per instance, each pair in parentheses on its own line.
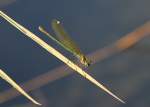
(88,64)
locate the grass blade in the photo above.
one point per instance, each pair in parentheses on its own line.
(4,76)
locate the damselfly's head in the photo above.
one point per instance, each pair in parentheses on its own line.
(85,61)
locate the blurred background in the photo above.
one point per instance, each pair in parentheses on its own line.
(93,24)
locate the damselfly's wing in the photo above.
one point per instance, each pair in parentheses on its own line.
(64,38)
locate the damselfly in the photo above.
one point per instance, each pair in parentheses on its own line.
(63,39)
